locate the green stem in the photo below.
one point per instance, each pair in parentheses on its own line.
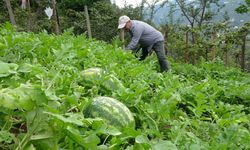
(52,81)
(105,140)
(25,140)
(154,122)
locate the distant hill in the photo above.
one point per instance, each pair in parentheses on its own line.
(161,17)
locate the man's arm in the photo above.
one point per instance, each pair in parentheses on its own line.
(135,39)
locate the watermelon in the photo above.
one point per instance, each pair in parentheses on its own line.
(97,76)
(92,73)
(112,111)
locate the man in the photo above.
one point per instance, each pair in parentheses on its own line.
(148,38)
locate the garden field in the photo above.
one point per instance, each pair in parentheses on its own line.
(44,94)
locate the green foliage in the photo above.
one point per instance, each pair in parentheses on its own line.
(244,8)
(209,41)
(190,107)
(78,5)
(104,17)
(71,15)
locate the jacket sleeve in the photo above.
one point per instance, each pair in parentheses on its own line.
(135,39)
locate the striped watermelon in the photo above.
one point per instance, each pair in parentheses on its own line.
(110,110)
(92,73)
(97,76)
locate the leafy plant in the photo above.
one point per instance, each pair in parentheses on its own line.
(42,97)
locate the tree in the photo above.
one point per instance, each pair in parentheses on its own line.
(104,20)
(11,14)
(143,2)
(197,11)
(26,4)
(244,31)
(154,7)
(244,8)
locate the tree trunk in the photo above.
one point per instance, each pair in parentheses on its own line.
(88,21)
(193,37)
(10,11)
(55,18)
(204,4)
(237,58)
(29,15)
(206,54)
(166,36)
(141,9)
(187,46)
(193,58)
(23,5)
(193,54)
(243,50)
(226,58)
(213,49)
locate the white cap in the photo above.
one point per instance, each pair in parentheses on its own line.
(122,21)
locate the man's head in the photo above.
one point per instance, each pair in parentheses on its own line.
(124,23)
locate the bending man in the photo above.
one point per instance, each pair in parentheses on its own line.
(148,38)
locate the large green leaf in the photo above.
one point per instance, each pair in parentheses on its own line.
(163,145)
(7,69)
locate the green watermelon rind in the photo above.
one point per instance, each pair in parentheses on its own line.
(97,76)
(111,111)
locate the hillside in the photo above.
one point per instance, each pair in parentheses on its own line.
(43,96)
(230,5)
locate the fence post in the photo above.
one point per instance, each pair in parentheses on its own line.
(55,17)
(88,21)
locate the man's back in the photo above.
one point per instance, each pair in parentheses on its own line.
(147,34)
